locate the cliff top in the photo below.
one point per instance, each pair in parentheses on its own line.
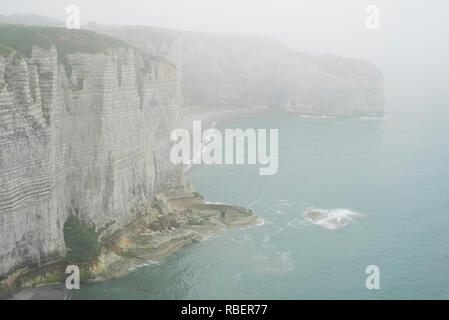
(31,19)
(162,38)
(22,39)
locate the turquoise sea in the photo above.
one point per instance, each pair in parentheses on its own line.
(392,173)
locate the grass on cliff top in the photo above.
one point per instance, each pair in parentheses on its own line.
(81,240)
(5,51)
(23,38)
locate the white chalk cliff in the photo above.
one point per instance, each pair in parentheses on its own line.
(85,118)
(84,125)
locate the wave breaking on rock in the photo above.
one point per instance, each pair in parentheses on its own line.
(332,219)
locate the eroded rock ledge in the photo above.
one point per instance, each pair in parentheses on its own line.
(171,222)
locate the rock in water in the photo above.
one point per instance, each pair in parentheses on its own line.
(331,219)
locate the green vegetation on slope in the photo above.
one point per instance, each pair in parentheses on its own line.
(22,39)
(69,41)
(81,240)
(5,51)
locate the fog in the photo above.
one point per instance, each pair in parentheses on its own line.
(120,145)
(410,46)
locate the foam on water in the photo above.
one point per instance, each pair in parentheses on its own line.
(332,219)
(360,165)
(305,116)
(149,262)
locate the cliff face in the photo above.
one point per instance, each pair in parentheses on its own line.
(83,130)
(241,71)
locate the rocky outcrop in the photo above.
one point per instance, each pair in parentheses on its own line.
(84,129)
(218,70)
(171,222)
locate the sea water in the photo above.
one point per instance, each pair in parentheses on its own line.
(349,193)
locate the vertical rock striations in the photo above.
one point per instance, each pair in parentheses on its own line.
(84,127)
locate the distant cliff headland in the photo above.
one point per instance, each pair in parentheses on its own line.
(235,71)
(85,120)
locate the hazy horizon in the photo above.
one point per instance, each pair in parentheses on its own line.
(409,42)
(316,26)
(317,170)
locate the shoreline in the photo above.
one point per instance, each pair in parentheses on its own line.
(209,119)
(111,265)
(172,222)
(115,263)
(51,291)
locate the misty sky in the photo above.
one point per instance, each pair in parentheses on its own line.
(310,25)
(412,40)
